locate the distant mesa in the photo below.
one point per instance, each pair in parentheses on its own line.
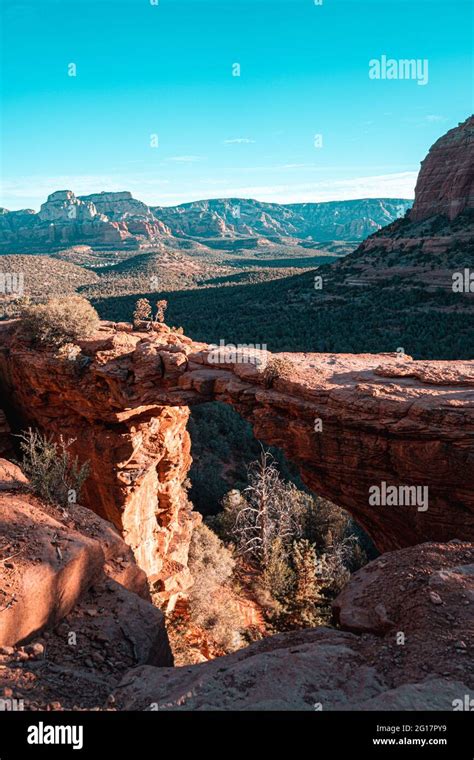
(335,220)
(102,220)
(445,188)
(117,220)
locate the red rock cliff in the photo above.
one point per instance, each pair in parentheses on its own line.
(139,454)
(446,180)
(384,419)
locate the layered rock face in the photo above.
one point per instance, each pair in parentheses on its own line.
(75,607)
(108,219)
(355,425)
(63,206)
(117,205)
(446,180)
(228,217)
(407,629)
(122,207)
(434,239)
(101,220)
(63,220)
(139,454)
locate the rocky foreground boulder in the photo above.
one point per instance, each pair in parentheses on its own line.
(77,629)
(75,610)
(410,617)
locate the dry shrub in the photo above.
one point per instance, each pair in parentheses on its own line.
(278,367)
(301,546)
(52,473)
(161,307)
(60,321)
(142,313)
(278,576)
(211,603)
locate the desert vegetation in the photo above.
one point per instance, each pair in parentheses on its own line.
(59,321)
(300,549)
(278,367)
(289,315)
(143,314)
(287,551)
(53,473)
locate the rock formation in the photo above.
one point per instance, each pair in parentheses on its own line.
(63,206)
(139,458)
(349,422)
(122,207)
(228,217)
(435,238)
(77,629)
(117,206)
(69,587)
(446,180)
(116,219)
(65,220)
(408,629)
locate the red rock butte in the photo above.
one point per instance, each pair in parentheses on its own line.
(445,183)
(349,422)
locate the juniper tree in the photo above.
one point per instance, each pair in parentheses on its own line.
(161,307)
(306,596)
(266,513)
(142,312)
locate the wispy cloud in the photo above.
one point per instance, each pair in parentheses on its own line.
(433,117)
(398,185)
(32,191)
(238,141)
(423,119)
(185,159)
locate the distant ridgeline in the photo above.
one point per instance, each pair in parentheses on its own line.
(116,220)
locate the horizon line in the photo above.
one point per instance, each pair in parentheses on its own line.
(216,198)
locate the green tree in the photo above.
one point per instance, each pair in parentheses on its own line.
(306,595)
(142,312)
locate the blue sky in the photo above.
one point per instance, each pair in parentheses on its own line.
(166,70)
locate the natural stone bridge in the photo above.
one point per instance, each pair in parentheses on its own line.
(349,422)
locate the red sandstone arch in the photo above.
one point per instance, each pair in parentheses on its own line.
(384,418)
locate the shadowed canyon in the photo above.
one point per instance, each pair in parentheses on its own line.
(388,438)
